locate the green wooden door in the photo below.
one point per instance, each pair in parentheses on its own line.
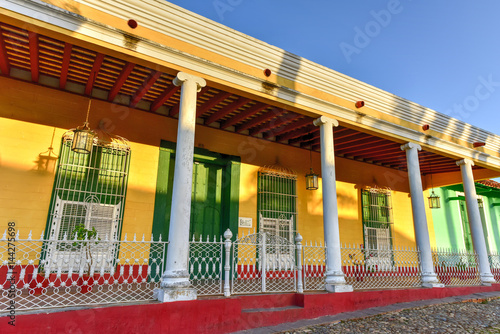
(466,226)
(207,200)
(215,193)
(215,196)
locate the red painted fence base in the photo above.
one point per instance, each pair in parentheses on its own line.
(220,315)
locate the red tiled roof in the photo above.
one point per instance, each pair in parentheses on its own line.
(490,183)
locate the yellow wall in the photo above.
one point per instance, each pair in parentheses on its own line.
(31,113)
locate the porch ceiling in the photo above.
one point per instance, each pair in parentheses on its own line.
(46,61)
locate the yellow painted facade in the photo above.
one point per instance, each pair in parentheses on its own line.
(30,115)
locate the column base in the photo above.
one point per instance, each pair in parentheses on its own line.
(166,295)
(430,280)
(487,279)
(339,288)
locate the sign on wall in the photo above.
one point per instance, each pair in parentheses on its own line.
(245,222)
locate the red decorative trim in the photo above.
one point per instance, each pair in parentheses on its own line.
(132,23)
(359,104)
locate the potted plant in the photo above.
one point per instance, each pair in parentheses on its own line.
(83,240)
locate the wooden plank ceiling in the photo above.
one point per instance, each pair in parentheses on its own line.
(60,65)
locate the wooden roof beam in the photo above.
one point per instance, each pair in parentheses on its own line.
(370,149)
(296,133)
(167,93)
(276,125)
(4,59)
(313,142)
(306,137)
(224,111)
(244,114)
(337,135)
(352,138)
(388,153)
(127,69)
(290,127)
(275,112)
(212,103)
(93,73)
(146,85)
(34,61)
(65,65)
(364,142)
(175,109)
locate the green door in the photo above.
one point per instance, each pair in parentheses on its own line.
(214,196)
(466,227)
(206,200)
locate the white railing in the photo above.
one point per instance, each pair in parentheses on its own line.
(264,262)
(456,267)
(314,265)
(494,258)
(381,268)
(206,267)
(58,273)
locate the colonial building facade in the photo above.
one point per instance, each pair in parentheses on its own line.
(194,130)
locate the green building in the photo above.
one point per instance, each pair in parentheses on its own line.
(451,224)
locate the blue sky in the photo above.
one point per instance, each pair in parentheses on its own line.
(443,55)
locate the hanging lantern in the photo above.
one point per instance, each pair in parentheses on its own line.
(82,140)
(480,203)
(312,180)
(83,137)
(434,201)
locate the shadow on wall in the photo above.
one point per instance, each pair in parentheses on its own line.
(287,74)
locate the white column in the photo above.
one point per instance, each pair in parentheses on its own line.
(175,280)
(429,277)
(476,226)
(335,280)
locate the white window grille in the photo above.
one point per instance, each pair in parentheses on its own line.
(277,201)
(277,208)
(89,190)
(377,227)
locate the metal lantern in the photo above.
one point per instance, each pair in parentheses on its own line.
(434,201)
(480,203)
(82,140)
(311,180)
(83,137)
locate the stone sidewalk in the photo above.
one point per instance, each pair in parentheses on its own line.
(476,313)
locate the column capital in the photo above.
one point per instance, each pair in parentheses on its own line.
(410,145)
(465,162)
(183,77)
(325,120)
